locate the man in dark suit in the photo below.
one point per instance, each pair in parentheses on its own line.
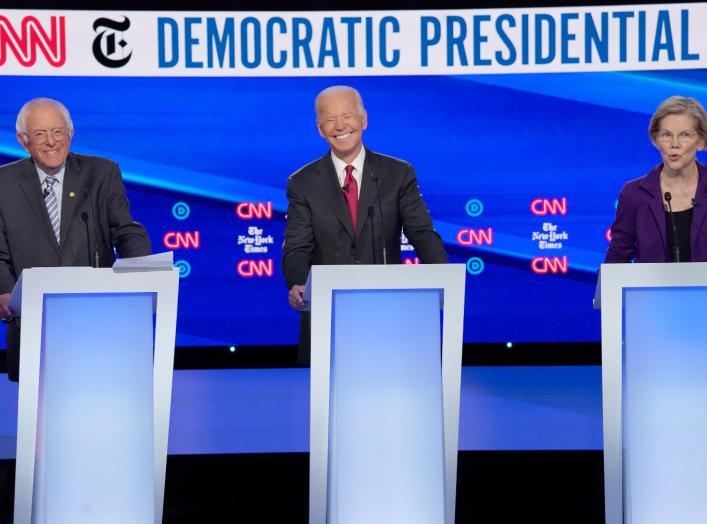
(335,204)
(49,205)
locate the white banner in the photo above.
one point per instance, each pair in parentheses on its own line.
(349,43)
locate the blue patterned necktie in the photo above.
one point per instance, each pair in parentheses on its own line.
(52,205)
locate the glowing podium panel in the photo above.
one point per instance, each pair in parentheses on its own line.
(654,375)
(97,353)
(385,384)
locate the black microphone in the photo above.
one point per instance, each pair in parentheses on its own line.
(373,236)
(695,203)
(87,193)
(374,177)
(345,188)
(46,191)
(84,217)
(676,248)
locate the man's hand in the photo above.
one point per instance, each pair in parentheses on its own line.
(296,297)
(5,311)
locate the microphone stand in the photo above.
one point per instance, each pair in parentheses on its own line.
(676,247)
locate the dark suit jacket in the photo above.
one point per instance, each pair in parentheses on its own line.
(638,232)
(319,229)
(27,238)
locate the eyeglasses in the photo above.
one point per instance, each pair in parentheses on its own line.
(683,136)
(40,137)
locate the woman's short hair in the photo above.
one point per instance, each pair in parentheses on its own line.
(679,105)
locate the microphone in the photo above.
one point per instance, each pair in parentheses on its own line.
(46,191)
(373,236)
(345,188)
(374,177)
(676,248)
(87,194)
(84,217)
(695,203)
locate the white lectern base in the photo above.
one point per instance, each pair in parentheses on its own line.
(94,397)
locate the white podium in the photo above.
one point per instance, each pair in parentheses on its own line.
(385,385)
(97,353)
(654,380)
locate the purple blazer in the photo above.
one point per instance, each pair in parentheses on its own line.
(638,232)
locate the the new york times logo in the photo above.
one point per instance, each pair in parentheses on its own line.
(109,44)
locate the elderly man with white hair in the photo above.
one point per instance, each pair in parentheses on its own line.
(350,205)
(46,201)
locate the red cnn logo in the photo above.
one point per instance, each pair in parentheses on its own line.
(545,265)
(34,37)
(548,206)
(411,261)
(469,237)
(182,240)
(250,210)
(255,268)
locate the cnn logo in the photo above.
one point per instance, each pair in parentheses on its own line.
(469,237)
(251,210)
(32,40)
(548,206)
(545,265)
(182,240)
(255,268)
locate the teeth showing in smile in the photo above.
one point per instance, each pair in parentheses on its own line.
(342,137)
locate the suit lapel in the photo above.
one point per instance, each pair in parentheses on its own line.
(29,182)
(367,195)
(73,185)
(328,184)
(700,209)
(651,184)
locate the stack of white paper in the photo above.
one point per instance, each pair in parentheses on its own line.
(156,262)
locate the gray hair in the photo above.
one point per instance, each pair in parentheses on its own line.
(679,105)
(21,123)
(338,89)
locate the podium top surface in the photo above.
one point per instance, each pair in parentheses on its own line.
(391,276)
(43,280)
(446,277)
(657,275)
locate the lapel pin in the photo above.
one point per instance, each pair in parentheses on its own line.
(72,194)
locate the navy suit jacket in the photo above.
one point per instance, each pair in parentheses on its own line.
(639,231)
(26,236)
(319,229)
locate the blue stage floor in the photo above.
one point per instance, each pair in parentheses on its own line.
(267,410)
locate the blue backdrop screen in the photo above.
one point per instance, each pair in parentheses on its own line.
(520,172)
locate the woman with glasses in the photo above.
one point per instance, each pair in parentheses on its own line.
(660,217)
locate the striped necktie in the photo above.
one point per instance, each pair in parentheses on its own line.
(52,205)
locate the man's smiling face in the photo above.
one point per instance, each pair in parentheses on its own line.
(47,138)
(341,122)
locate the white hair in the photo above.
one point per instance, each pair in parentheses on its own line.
(338,89)
(21,123)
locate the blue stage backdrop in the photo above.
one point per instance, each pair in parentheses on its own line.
(520,171)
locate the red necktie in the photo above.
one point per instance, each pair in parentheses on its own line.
(351,194)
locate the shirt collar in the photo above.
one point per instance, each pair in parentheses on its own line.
(340,165)
(59,176)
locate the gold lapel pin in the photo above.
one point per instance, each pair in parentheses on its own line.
(72,194)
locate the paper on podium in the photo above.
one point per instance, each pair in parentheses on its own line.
(157,262)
